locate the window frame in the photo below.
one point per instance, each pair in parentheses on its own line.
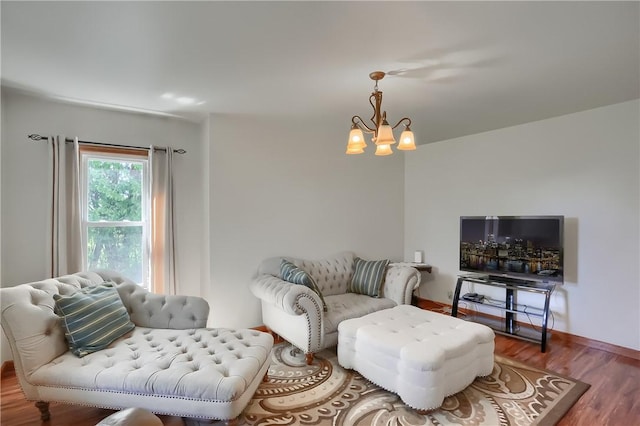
(88,153)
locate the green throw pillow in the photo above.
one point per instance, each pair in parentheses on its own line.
(295,275)
(368,276)
(92,318)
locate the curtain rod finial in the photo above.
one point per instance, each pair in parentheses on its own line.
(35,137)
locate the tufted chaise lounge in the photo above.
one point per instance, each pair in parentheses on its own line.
(168,364)
(295,312)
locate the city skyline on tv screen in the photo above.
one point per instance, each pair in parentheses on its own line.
(520,246)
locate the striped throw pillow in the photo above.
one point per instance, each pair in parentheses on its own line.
(92,318)
(295,275)
(368,276)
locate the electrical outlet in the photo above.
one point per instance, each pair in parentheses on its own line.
(450,294)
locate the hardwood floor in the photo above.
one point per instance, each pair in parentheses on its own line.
(613,373)
(613,398)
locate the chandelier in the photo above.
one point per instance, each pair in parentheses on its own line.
(381,130)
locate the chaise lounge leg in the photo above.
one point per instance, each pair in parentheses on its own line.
(308,357)
(44,410)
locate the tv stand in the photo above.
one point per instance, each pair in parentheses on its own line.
(510,308)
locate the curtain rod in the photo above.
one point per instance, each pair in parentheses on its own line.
(36,137)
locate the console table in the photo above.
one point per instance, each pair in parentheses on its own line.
(418,266)
(509,326)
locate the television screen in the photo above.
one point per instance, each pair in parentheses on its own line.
(521,247)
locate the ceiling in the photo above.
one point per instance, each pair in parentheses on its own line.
(455,68)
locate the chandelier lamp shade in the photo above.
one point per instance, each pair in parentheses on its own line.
(381,130)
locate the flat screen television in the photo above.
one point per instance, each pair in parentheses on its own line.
(518,247)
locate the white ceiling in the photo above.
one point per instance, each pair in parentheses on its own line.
(456,68)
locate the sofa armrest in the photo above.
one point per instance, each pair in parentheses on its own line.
(284,295)
(399,283)
(151,310)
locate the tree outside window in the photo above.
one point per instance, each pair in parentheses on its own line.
(115,214)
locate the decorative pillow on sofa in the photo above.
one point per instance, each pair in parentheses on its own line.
(92,318)
(368,276)
(295,275)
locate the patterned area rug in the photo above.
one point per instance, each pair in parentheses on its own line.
(326,394)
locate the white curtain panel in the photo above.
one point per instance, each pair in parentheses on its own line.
(162,238)
(65,227)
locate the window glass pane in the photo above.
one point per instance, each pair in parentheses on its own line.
(114,190)
(116,247)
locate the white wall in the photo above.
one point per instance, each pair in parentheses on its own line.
(251,188)
(584,166)
(286,188)
(24,177)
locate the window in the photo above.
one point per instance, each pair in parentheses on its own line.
(115,211)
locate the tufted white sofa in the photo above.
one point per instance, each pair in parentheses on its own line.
(168,364)
(295,312)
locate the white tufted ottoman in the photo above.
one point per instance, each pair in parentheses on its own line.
(421,355)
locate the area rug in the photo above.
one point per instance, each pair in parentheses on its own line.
(326,394)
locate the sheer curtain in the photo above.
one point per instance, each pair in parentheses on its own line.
(162,238)
(65,227)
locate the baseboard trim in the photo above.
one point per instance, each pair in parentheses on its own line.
(557,336)
(7,369)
